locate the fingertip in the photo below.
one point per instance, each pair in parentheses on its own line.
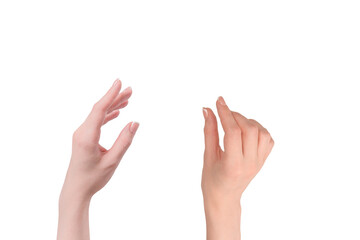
(210,120)
(210,112)
(128,90)
(221,101)
(211,132)
(205,113)
(220,105)
(116,82)
(133,127)
(117,112)
(123,142)
(117,85)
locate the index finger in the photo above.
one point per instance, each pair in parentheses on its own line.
(232,137)
(97,115)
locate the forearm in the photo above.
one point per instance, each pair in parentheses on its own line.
(222,220)
(73,217)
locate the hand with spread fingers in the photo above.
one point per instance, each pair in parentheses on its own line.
(91,165)
(227,173)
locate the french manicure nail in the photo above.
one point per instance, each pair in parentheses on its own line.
(205,112)
(134,126)
(221,100)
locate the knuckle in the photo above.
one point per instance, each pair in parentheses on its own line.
(210,131)
(79,140)
(252,129)
(206,130)
(110,164)
(235,132)
(127,144)
(76,135)
(264,134)
(252,120)
(98,106)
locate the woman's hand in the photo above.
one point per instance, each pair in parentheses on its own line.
(226,174)
(91,165)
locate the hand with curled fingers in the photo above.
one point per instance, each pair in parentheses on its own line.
(227,173)
(91,165)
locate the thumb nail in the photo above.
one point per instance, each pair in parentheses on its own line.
(134,126)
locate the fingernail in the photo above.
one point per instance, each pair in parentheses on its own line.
(221,100)
(128,89)
(205,112)
(116,82)
(134,126)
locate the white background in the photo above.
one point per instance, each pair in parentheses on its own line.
(291,65)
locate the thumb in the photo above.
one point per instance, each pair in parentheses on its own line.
(123,142)
(211,134)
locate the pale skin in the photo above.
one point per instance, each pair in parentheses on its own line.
(226,173)
(91,165)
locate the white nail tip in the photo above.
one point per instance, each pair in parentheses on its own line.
(205,112)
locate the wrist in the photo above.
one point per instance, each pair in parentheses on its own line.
(69,196)
(73,216)
(222,218)
(217,198)
(226,207)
